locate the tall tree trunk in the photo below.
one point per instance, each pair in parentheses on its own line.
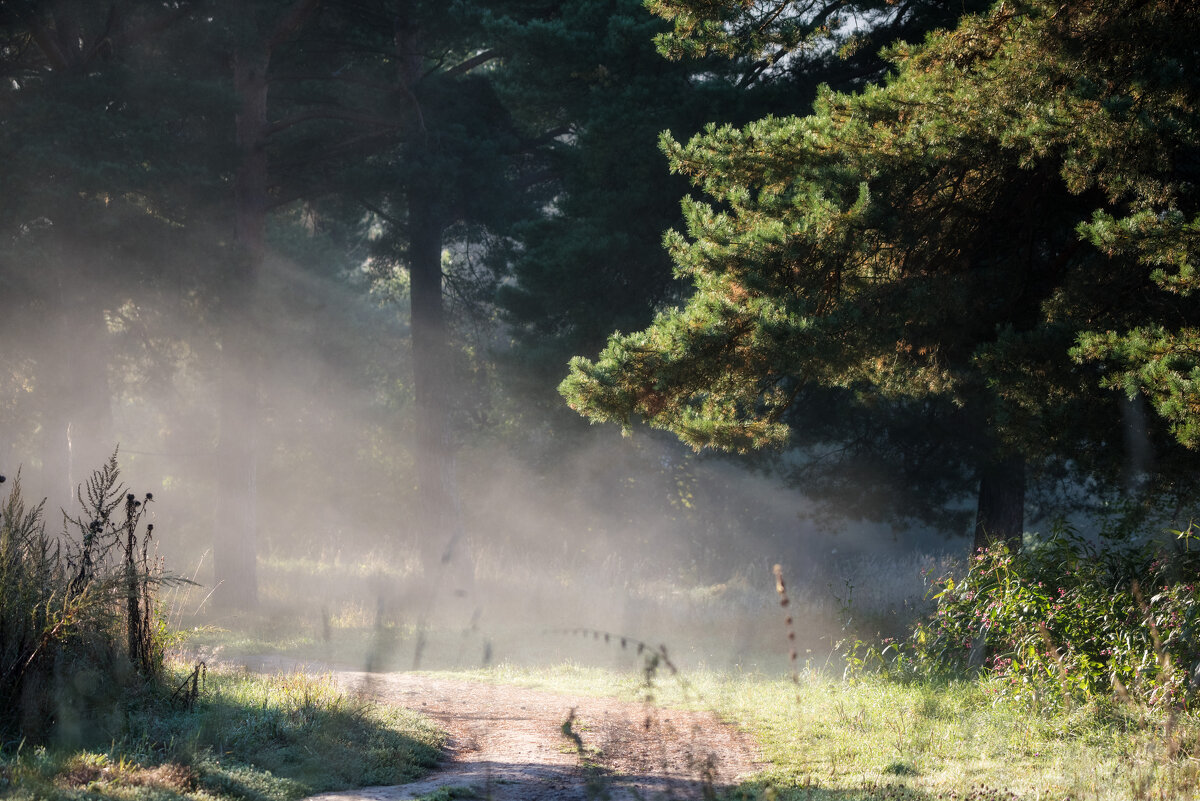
(235,540)
(438,524)
(429,354)
(1001,512)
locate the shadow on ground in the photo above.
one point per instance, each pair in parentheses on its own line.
(515,781)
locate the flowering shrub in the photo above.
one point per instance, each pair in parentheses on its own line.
(1068,617)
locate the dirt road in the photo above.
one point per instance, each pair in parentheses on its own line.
(516,744)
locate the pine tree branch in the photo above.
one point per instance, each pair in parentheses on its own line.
(473,62)
(380,213)
(46,44)
(110,27)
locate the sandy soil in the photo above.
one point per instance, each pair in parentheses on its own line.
(516,744)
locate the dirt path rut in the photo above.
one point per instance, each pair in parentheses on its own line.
(516,744)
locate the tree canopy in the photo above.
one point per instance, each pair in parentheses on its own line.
(1005,229)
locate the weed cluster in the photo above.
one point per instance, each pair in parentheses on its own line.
(79,626)
(1066,618)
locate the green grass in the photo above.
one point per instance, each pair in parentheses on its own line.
(825,739)
(871,738)
(248,737)
(828,739)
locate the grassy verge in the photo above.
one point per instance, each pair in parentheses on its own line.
(246,737)
(827,739)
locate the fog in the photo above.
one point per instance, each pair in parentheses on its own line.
(562,533)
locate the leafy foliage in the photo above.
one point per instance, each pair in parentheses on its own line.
(1068,618)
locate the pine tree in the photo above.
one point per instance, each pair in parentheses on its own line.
(1012,207)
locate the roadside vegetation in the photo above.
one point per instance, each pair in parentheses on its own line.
(1065,671)
(244,737)
(93,705)
(1062,671)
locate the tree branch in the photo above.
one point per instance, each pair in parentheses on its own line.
(110,27)
(473,62)
(545,138)
(378,212)
(47,45)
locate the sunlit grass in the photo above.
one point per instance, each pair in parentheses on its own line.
(822,738)
(249,737)
(828,738)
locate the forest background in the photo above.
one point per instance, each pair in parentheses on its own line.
(318,268)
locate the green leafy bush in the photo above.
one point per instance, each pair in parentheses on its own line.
(1068,617)
(78,617)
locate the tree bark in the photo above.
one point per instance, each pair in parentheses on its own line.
(235,539)
(1000,516)
(429,354)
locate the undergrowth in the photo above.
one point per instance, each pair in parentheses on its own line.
(1067,620)
(80,626)
(90,707)
(247,737)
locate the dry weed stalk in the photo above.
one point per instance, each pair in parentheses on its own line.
(789,622)
(189,689)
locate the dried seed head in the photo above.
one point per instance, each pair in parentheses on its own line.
(149,496)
